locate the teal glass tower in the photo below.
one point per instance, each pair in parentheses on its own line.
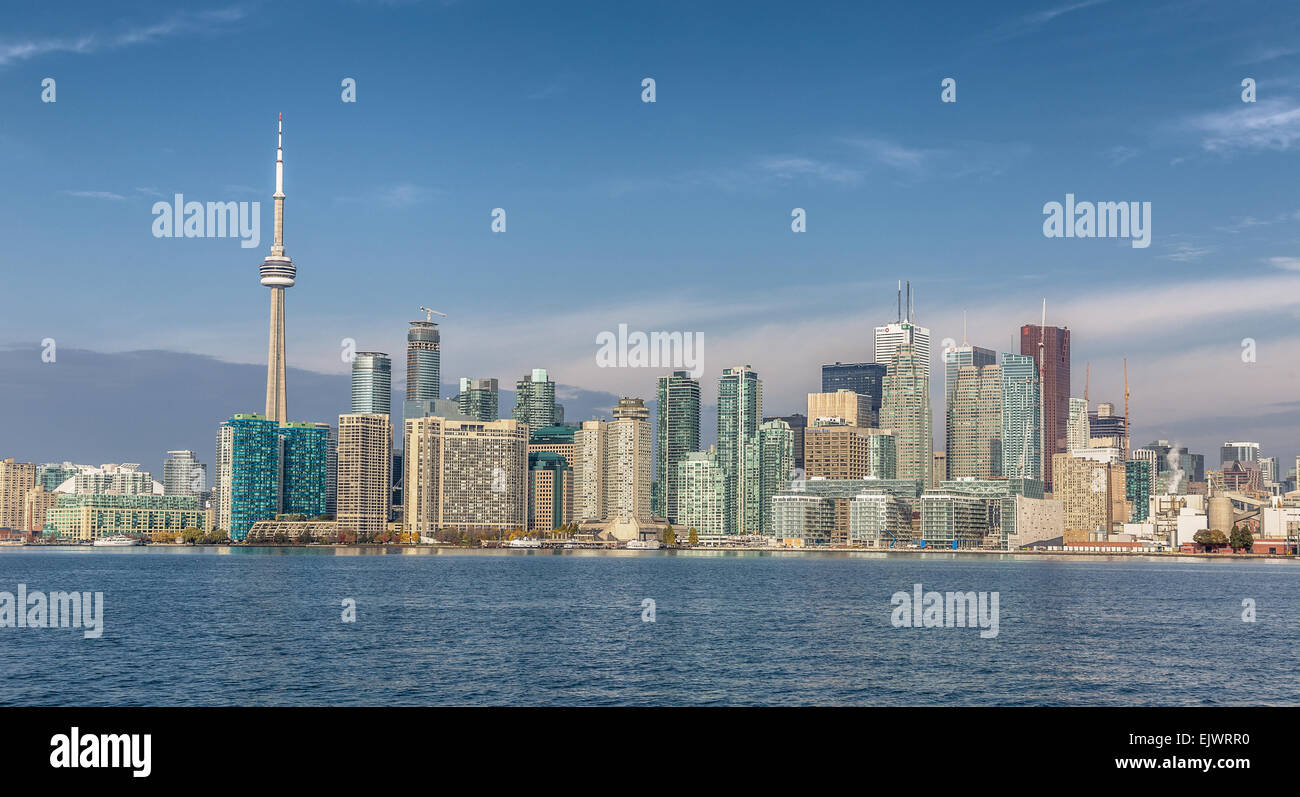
(303,468)
(248,484)
(677,430)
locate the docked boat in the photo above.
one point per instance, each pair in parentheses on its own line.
(644,545)
(523,543)
(115,541)
(8,543)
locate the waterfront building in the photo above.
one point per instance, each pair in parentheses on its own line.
(467,475)
(865,379)
(247,474)
(740,406)
(628,464)
(1055,385)
(803,520)
(535,400)
(701,490)
(677,428)
(37,503)
(550,492)
(832,524)
(365,459)
(974,417)
(16,479)
(372,383)
(769,463)
(125,478)
(478,398)
(52,475)
(183,474)
(1022,428)
(1137,488)
(906,411)
(304,468)
(838,451)
(1091,489)
(86,517)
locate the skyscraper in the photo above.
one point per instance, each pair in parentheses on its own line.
(535,400)
(975,422)
(423,361)
(365,457)
(1078,425)
(954,358)
(1237,451)
(304,468)
(372,383)
(247,485)
(769,460)
(628,464)
(851,408)
(865,379)
(16,479)
(701,494)
(1022,452)
(798,423)
(1110,430)
(740,405)
(906,411)
(1054,364)
(550,491)
(677,426)
(466,475)
(277,273)
(183,474)
(478,399)
(902,332)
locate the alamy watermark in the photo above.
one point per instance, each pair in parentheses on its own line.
(57,610)
(1099,220)
(638,349)
(181,219)
(946,610)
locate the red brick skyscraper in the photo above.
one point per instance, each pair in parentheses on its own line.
(1056,386)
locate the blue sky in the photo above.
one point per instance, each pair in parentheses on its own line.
(673,215)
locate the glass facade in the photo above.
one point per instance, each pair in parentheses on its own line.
(372,383)
(248,450)
(304,468)
(677,433)
(740,405)
(865,379)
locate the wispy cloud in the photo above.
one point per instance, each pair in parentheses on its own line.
(1030,23)
(401,195)
(16,50)
(1264,125)
(1183,253)
(1284,263)
(96,195)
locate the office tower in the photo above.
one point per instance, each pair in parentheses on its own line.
(372,383)
(125,478)
(840,451)
(183,474)
(1241,452)
(465,475)
(535,400)
(975,421)
(1055,368)
(955,358)
(1137,488)
(1078,425)
(848,407)
(628,465)
(277,273)
(1022,428)
(798,423)
(701,494)
(423,361)
(248,473)
(477,398)
(589,469)
(16,479)
(865,379)
(1092,494)
(769,462)
(677,428)
(903,332)
(35,505)
(1106,429)
(1268,470)
(906,411)
(550,492)
(938,470)
(304,468)
(740,405)
(554,440)
(365,459)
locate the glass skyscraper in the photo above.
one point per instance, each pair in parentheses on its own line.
(865,379)
(677,433)
(740,405)
(535,400)
(478,398)
(304,468)
(372,383)
(248,484)
(769,460)
(1022,419)
(423,361)
(906,412)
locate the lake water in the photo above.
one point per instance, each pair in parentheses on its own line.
(262,626)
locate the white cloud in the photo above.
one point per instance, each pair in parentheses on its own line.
(15,51)
(1264,125)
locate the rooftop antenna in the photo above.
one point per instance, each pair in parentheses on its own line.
(908,316)
(1087,380)
(963,328)
(900,301)
(1128,421)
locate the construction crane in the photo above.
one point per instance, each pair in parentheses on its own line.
(428,314)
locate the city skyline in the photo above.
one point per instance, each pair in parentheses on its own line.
(1187,311)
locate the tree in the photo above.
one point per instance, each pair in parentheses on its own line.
(670,537)
(304,537)
(1210,538)
(280,538)
(1241,539)
(694,537)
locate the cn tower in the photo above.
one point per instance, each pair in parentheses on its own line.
(277,274)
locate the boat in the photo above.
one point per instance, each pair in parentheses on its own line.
(523,543)
(116,540)
(14,542)
(644,545)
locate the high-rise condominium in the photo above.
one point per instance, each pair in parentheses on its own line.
(956,357)
(614,465)
(423,361)
(550,491)
(865,379)
(16,479)
(304,468)
(372,383)
(183,474)
(1055,365)
(975,421)
(769,461)
(247,483)
(1238,451)
(1105,428)
(701,491)
(906,411)
(740,405)
(365,459)
(477,398)
(840,451)
(1078,426)
(277,273)
(677,426)
(1022,427)
(535,400)
(466,475)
